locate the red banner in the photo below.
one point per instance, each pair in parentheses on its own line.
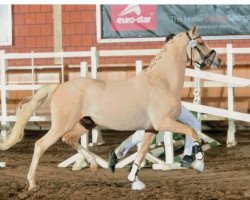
(133,17)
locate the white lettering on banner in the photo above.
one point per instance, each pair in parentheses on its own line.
(239,18)
(186,19)
(132,20)
(232,18)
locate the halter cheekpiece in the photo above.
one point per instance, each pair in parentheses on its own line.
(205,58)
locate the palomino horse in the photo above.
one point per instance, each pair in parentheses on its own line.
(149,101)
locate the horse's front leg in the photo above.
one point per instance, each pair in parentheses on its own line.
(148,137)
(177,127)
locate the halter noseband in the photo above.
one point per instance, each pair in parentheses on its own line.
(205,58)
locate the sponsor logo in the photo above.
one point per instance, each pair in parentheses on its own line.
(133,17)
(131,9)
(132,20)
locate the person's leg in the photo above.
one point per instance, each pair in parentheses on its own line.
(189,119)
(122,150)
(130,142)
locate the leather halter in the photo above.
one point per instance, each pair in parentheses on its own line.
(205,58)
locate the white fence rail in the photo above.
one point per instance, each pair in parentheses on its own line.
(216,80)
(5,87)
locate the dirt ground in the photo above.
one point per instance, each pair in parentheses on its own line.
(226,176)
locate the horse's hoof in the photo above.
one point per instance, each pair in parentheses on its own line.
(138,185)
(34,188)
(198,165)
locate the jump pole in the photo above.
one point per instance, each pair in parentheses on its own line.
(158,150)
(230,100)
(169,154)
(97,138)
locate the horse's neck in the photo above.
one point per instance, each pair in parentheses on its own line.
(171,66)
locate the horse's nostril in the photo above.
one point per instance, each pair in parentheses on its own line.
(218,63)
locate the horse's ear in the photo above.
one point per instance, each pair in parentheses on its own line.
(195,30)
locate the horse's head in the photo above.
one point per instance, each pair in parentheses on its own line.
(199,52)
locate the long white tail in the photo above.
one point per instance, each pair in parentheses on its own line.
(25,110)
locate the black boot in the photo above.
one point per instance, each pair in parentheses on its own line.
(197,151)
(187,161)
(112,161)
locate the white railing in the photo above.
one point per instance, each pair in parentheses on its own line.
(5,87)
(216,80)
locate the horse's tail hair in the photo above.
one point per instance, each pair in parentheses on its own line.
(25,110)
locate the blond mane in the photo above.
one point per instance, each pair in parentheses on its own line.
(163,50)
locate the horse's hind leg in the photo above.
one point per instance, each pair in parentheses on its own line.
(40,147)
(72,137)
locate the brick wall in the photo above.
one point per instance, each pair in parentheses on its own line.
(32,28)
(33,31)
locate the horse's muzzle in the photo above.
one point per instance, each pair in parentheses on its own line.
(216,63)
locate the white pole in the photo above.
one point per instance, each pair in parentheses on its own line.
(32,76)
(169,148)
(84,73)
(96,132)
(32,72)
(138,66)
(84,69)
(94,62)
(169,154)
(231,124)
(62,68)
(3,94)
